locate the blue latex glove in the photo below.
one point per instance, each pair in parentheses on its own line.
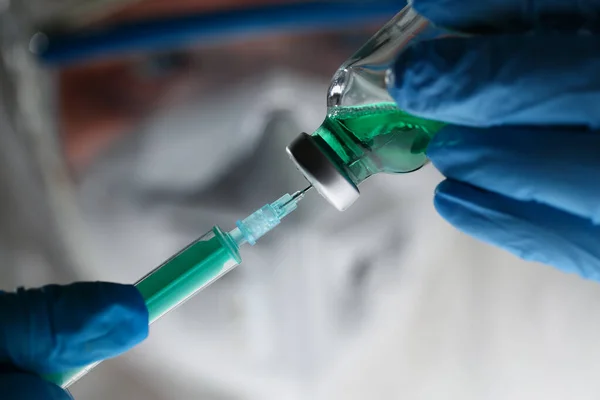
(57,328)
(522,153)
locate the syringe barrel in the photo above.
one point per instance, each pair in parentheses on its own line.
(188,272)
(175,281)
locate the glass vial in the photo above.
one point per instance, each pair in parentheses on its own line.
(364,132)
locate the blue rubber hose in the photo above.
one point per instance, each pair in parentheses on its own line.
(176,32)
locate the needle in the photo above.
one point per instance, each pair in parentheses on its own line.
(298,195)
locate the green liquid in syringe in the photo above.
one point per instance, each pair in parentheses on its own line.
(191,269)
(377,138)
(195,267)
(176,280)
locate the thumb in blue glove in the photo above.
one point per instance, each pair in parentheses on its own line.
(531,193)
(57,328)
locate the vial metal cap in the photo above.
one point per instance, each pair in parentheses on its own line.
(333,184)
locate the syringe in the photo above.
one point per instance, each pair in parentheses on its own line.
(198,265)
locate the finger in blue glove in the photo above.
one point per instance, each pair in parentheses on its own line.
(556,166)
(532,231)
(56,328)
(524,190)
(540,79)
(510,15)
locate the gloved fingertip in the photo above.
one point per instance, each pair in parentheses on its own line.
(112,319)
(471,211)
(95,321)
(529,230)
(56,328)
(23,386)
(130,310)
(450,201)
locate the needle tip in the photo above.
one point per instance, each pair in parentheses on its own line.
(299,194)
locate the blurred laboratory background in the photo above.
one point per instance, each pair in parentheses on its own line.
(130,127)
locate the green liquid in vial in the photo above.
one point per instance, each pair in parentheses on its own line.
(376,138)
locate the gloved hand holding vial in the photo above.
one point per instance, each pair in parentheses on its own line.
(519,96)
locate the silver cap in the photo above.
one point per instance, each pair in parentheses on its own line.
(322,173)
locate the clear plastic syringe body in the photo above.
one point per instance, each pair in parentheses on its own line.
(198,265)
(364,132)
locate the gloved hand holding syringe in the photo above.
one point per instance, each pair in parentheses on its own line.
(198,265)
